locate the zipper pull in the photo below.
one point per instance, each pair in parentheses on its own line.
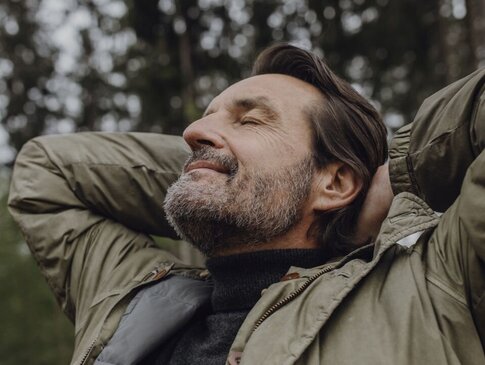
(150,275)
(158,273)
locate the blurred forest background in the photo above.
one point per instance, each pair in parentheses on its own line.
(154,65)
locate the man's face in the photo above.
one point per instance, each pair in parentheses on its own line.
(249,178)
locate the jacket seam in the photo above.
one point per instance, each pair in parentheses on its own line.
(412,177)
(46,153)
(474,114)
(422,226)
(72,163)
(410,156)
(438,283)
(59,293)
(108,164)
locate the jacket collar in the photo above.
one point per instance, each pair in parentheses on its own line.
(407,216)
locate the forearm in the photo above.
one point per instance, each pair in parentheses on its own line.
(431,156)
(441,158)
(120,176)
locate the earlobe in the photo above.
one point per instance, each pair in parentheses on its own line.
(336,186)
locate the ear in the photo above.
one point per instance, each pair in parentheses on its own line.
(336,186)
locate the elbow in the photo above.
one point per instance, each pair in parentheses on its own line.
(30,169)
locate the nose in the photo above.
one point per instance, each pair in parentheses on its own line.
(203,132)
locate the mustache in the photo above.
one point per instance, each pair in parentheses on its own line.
(206,153)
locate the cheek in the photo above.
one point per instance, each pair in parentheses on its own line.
(266,155)
(266,146)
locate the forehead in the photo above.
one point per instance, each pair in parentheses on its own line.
(279,92)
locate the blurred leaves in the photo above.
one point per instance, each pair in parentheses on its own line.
(154,65)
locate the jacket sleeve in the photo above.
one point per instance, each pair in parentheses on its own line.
(440,157)
(85,201)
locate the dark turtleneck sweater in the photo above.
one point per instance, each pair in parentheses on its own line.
(238,282)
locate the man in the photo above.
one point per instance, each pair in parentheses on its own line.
(284,190)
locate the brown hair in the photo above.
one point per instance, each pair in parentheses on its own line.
(346,128)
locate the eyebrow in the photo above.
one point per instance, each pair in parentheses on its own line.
(261,103)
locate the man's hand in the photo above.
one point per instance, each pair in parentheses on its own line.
(375,207)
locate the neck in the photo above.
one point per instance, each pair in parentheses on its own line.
(296,238)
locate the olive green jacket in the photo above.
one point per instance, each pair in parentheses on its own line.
(88,203)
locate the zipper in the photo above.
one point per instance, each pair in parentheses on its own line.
(88,352)
(151,275)
(292,296)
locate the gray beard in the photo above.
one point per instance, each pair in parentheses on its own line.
(244,211)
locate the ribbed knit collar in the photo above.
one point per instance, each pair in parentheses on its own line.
(239,279)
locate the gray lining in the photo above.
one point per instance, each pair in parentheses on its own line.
(152,317)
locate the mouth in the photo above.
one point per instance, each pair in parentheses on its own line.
(203,164)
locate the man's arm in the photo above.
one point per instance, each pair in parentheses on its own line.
(85,201)
(431,156)
(440,157)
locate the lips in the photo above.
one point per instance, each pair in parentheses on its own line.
(203,164)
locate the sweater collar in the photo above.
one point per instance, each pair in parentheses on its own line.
(239,279)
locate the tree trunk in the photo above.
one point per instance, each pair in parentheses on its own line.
(475,17)
(186,64)
(446,49)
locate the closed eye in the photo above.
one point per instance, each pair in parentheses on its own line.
(249,121)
